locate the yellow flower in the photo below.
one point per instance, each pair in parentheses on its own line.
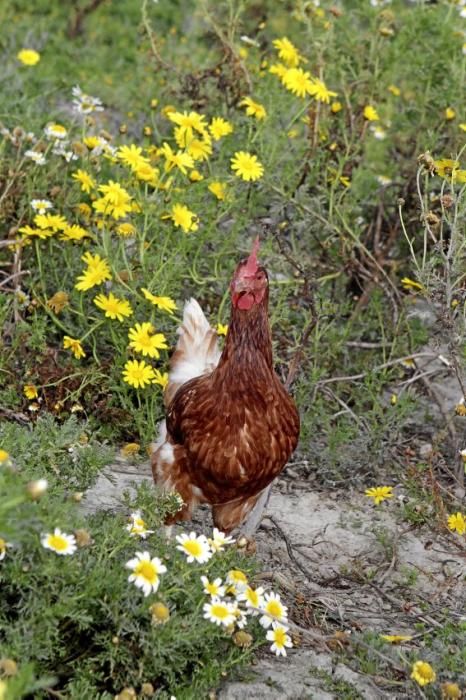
(219,127)
(321,92)
(184,218)
(126,229)
(147,173)
(116,200)
(462,126)
(55,222)
(130,449)
(200,149)
(298,81)
(97,272)
(41,233)
(163,303)
(74,233)
(222,329)
(114,308)
(380,493)
(336,107)
(195,176)
(247,166)
(85,180)
(278,69)
(30,391)
(253,109)
(423,673)
(218,189)
(396,638)
(287,52)
(449,169)
(452,691)
(450,114)
(394,90)
(4,456)
(161,378)
(84,209)
(138,373)
(28,57)
(411,284)
(132,156)
(189,122)
(58,302)
(370,113)
(457,522)
(74,345)
(180,160)
(143,340)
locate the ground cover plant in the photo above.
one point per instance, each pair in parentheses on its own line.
(142,149)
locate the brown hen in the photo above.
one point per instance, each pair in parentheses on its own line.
(230,425)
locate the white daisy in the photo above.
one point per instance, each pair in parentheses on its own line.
(145,572)
(273,609)
(220,612)
(41,205)
(213,588)
(55,131)
(137,526)
(59,542)
(85,104)
(278,635)
(219,540)
(254,598)
(238,580)
(38,158)
(379,133)
(196,547)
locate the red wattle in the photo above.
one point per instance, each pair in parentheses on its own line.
(245,301)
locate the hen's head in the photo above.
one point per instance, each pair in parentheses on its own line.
(250,283)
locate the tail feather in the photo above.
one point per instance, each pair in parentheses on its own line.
(197,350)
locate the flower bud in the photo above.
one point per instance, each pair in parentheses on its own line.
(242,639)
(8,667)
(160,613)
(36,489)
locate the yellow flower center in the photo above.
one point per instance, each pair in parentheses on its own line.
(274,608)
(58,543)
(193,547)
(146,570)
(219,611)
(280,637)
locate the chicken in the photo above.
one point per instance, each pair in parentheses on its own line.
(230,425)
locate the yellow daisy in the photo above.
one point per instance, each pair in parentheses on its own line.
(114,308)
(247,166)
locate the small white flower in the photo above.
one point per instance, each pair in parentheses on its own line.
(38,158)
(213,588)
(379,133)
(273,609)
(145,572)
(196,547)
(238,580)
(278,635)
(383,180)
(254,599)
(241,619)
(85,104)
(41,205)
(219,540)
(55,131)
(137,526)
(220,612)
(59,542)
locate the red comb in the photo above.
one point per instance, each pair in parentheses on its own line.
(251,264)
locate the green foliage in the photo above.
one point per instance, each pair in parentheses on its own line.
(74,623)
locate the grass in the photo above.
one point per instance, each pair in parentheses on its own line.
(345,210)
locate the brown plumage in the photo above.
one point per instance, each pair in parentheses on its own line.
(231,428)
